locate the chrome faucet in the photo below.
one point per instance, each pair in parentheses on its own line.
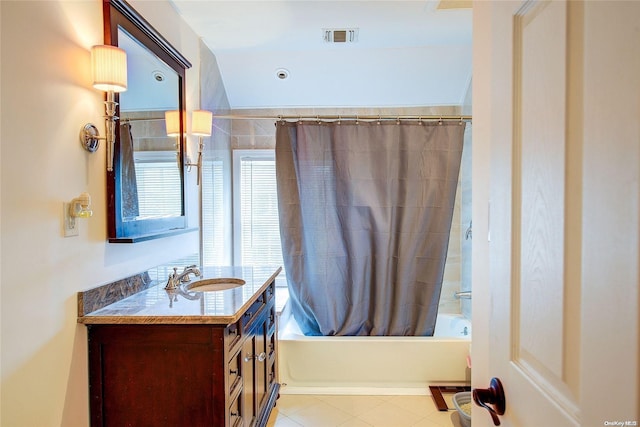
(463,294)
(175,279)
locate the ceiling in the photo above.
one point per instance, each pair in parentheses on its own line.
(407,53)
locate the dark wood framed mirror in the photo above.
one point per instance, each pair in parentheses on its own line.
(145,190)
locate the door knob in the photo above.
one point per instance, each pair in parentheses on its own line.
(492,399)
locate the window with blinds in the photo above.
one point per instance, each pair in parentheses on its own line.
(213,212)
(159,185)
(256,222)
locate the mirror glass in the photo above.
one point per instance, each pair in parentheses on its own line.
(149,159)
(146,188)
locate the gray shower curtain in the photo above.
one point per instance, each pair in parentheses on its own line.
(129,183)
(365,214)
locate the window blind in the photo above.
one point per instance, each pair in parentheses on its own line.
(213,212)
(159,188)
(260,229)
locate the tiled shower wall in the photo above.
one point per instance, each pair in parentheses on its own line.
(260,134)
(466,234)
(466,231)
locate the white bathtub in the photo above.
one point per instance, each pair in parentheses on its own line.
(373,365)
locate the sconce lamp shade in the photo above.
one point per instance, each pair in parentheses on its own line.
(109,67)
(172,122)
(201,122)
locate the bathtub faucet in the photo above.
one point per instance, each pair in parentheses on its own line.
(175,279)
(463,294)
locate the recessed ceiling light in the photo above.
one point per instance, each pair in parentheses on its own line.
(158,76)
(282,73)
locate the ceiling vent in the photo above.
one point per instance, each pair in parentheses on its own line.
(340,35)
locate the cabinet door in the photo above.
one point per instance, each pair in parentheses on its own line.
(136,373)
(261,364)
(248,376)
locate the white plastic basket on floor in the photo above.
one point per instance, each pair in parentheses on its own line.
(462,402)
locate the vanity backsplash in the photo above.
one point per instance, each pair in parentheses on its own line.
(104,295)
(97,298)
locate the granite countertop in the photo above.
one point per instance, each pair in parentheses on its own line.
(155,305)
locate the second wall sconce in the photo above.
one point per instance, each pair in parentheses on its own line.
(172,125)
(109,72)
(172,122)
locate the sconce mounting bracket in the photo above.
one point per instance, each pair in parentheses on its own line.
(90,137)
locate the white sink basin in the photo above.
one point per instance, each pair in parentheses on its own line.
(211,285)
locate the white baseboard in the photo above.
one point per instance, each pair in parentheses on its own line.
(366,391)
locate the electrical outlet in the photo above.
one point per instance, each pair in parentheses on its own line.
(70,224)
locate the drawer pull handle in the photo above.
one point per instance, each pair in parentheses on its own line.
(234,414)
(261,357)
(233,371)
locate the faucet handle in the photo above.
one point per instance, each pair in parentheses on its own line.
(171,281)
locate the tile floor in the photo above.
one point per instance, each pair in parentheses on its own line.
(295,410)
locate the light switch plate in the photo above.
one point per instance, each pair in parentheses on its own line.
(69,224)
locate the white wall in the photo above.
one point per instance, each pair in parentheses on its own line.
(46,96)
(481,164)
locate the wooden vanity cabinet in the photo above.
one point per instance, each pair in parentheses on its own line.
(259,364)
(185,375)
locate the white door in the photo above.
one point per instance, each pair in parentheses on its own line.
(556,155)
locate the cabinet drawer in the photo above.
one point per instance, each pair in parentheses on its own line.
(271,376)
(234,414)
(232,335)
(270,292)
(252,312)
(271,345)
(235,373)
(271,318)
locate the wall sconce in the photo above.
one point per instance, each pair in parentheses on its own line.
(172,125)
(172,122)
(77,208)
(109,71)
(201,123)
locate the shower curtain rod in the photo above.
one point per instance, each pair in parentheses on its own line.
(356,117)
(125,119)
